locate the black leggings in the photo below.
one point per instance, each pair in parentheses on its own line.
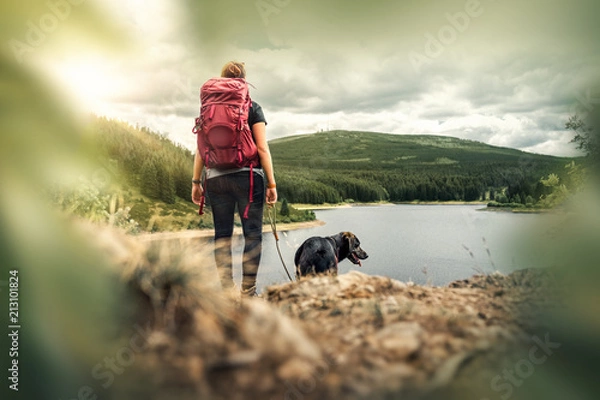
(225,193)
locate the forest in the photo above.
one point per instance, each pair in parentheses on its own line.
(370,167)
(342,166)
(161,169)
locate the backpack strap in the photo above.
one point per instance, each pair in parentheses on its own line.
(204,186)
(202,200)
(250,196)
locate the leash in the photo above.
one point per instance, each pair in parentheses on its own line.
(272,220)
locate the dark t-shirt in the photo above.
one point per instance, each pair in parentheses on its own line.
(255,114)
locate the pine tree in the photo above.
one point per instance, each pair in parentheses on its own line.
(285,209)
(166,185)
(150,185)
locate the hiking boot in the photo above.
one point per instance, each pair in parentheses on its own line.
(250,292)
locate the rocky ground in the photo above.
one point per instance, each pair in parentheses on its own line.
(383,336)
(353,336)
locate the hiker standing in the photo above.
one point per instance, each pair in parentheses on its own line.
(233,150)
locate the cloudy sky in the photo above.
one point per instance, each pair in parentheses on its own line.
(503,72)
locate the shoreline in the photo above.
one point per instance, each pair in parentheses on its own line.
(209,233)
(329,206)
(292,226)
(517,210)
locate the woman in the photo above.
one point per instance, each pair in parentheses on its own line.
(227,189)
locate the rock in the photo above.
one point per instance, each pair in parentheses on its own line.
(395,376)
(209,329)
(397,285)
(390,304)
(195,368)
(160,341)
(295,369)
(376,361)
(269,332)
(448,370)
(351,279)
(242,358)
(398,341)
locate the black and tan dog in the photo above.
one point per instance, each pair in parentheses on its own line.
(321,255)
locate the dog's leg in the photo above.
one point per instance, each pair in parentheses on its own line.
(332,270)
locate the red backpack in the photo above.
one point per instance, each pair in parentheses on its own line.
(224,138)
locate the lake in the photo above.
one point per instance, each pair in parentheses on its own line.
(425,244)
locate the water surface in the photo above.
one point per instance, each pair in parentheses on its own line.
(426,244)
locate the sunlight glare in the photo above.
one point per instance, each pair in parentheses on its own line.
(87,82)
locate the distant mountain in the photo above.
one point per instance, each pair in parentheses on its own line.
(368,166)
(381,150)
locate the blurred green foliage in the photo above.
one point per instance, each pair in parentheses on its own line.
(67,294)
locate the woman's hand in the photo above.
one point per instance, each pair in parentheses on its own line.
(271,196)
(197,192)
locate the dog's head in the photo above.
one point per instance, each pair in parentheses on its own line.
(350,248)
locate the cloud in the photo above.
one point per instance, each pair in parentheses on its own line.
(510,76)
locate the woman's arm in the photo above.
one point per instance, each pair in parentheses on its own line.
(197,189)
(259,132)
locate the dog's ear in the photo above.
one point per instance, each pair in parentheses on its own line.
(351,238)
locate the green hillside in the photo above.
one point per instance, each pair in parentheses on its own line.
(148,176)
(366,166)
(143,183)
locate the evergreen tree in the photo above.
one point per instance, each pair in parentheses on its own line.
(285,209)
(149,184)
(472,193)
(166,185)
(586,137)
(501,198)
(529,201)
